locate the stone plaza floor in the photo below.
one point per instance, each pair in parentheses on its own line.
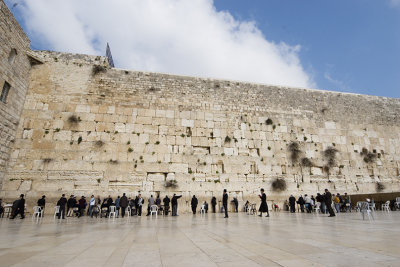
(242,240)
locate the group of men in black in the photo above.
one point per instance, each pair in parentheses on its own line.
(325,200)
(72,205)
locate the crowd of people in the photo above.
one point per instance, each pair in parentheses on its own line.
(95,206)
(323,202)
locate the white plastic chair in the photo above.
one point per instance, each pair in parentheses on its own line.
(385,207)
(128,211)
(113,212)
(365,209)
(317,208)
(153,209)
(56,211)
(37,211)
(203,209)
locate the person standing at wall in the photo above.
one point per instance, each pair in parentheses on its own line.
(301,202)
(264,205)
(236,204)
(82,206)
(123,203)
(225,202)
(92,202)
(117,205)
(174,203)
(140,202)
(213,203)
(194,204)
(62,202)
(151,203)
(292,203)
(42,203)
(166,201)
(328,202)
(18,207)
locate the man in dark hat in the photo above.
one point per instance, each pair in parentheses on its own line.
(42,203)
(19,207)
(61,202)
(225,202)
(328,202)
(264,205)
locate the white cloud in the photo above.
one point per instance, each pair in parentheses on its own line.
(186,37)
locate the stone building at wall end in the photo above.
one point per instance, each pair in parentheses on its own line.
(80,127)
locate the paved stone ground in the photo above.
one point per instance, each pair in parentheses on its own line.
(242,240)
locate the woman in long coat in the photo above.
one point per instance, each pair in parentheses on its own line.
(264,205)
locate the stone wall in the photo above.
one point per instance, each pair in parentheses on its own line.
(14,70)
(94,130)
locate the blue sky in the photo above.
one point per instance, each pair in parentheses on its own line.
(349,46)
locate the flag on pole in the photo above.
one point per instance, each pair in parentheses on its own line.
(109,56)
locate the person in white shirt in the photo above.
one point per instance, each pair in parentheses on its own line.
(92,203)
(308,202)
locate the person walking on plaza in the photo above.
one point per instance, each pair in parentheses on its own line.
(42,203)
(194,204)
(140,202)
(62,202)
(166,201)
(264,205)
(174,203)
(92,203)
(328,202)
(292,204)
(123,203)
(225,202)
(213,203)
(151,203)
(19,207)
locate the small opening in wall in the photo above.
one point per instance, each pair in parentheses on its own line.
(12,55)
(4,92)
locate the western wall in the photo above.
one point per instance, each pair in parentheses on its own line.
(88,129)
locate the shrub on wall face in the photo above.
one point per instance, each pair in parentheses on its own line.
(278,185)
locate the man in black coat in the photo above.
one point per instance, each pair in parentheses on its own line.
(213,203)
(328,202)
(225,202)
(19,207)
(174,203)
(62,203)
(42,203)
(264,205)
(194,204)
(166,201)
(292,203)
(301,202)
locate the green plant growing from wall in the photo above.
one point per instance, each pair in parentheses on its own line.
(57,130)
(79,140)
(379,187)
(99,143)
(330,158)
(98,180)
(130,150)
(96,69)
(74,119)
(295,152)
(269,121)
(278,185)
(227,139)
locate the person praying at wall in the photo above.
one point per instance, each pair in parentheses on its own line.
(194,204)
(174,203)
(42,203)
